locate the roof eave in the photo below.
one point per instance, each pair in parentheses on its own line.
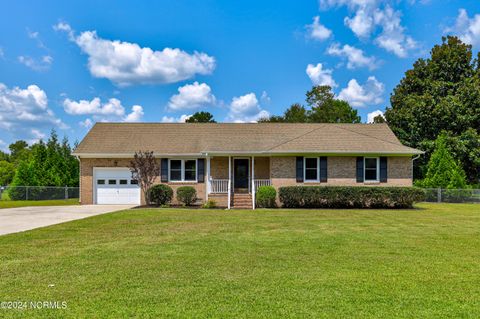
(269,153)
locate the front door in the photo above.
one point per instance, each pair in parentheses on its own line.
(240,173)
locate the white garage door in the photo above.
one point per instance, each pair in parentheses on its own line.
(115,186)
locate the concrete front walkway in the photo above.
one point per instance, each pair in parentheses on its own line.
(14,220)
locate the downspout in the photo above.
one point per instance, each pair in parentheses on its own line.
(79,179)
(413,159)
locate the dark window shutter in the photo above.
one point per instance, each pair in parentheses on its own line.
(164,170)
(323,169)
(360,169)
(299,169)
(201,170)
(383,169)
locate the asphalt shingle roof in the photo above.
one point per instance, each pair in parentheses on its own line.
(216,138)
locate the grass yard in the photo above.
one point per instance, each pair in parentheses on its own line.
(421,263)
(24,203)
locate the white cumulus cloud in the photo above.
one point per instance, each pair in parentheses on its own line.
(362,95)
(377,18)
(393,37)
(112,110)
(136,115)
(125,63)
(246,108)
(191,96)
(26,108)
(171,119)
(320,76)
(361,24)
(374,114)
(356,58)
(468,29)
(318,31)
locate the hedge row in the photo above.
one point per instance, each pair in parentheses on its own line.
(349,197)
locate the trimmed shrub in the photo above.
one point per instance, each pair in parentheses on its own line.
(160,194)
(265,197)
(349,197)
(210,204)
(187,195)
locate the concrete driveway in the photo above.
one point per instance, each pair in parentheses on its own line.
(13,220)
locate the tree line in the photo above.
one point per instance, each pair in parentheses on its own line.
(47,163)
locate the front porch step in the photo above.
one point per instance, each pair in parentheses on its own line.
(242,201)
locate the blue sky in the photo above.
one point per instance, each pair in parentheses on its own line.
(65,65)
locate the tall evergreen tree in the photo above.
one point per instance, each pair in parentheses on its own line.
(442,169)
(50,164)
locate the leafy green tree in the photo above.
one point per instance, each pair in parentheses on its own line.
(379,119)
(440,93)
(7,171)
(18,151)
(326,109)
(201,117)
(296,113)
(442,169)
(4,156)
(323,108)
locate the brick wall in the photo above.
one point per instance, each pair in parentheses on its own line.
(219,167)
(86,179)
(220,199)
(341,172)
(262,167)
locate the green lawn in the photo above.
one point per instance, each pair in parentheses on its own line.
(24,203)
(421,263)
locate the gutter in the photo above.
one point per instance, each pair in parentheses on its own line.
(245,153)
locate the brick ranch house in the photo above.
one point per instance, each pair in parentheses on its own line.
(228,162)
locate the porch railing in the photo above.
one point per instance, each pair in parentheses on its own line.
(261,182)
(219,186)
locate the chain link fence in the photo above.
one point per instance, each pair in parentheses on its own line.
(433,195)
(38,192)
(440,195)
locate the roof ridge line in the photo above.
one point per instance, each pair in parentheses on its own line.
(374,137)
(322,125)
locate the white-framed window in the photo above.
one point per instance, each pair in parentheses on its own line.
(371,169)
(182,170)
(311,168)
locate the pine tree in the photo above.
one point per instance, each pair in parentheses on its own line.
(442,170)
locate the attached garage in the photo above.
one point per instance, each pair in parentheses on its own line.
(115,186)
